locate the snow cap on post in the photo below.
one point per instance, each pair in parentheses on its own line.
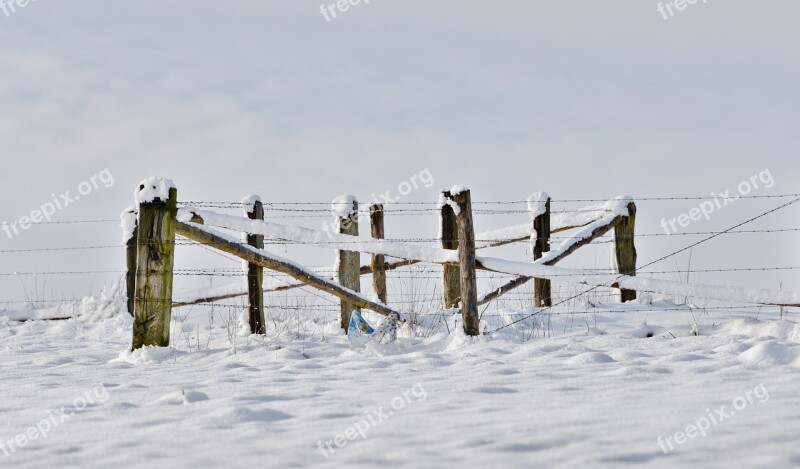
(618,205)
(249,203)
(344,205)
(449,201)
(128,220)
(537,204)
(455,190)
(153,188)
(442,201)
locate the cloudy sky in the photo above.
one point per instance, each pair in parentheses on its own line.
(578,98)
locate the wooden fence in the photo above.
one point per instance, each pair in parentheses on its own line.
(158,220)
(151,249)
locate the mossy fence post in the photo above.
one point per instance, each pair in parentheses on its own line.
(626,249)
(349,261)
(155,259)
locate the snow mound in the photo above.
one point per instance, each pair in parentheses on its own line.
(111,304)
(783,330)
(589,358)
(237,415)
(180,398)
(770,353)
(646,330)
(149,355)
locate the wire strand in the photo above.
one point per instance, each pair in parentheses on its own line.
(662,258)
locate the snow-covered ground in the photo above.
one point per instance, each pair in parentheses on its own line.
(583,390)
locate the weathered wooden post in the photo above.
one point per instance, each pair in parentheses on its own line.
(378,261)
(466,257)
(346,209)
(254,209)
(449,233)
(155,258)
(539,204)
(129,227)
(626,249)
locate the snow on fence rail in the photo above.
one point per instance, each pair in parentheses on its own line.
(151,227)
(594,220)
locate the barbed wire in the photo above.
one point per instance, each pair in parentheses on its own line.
(68,222)
(686,248)
(588,309)
(511,202)
(278,242)
(75,248)
(221,272)
(700,197)
(87,272)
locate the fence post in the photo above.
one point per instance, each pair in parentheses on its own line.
(254,209)
(155,258)
(346,209)
(542,288)
(449,238)
(378,261)
(466,257)
(626,249)
(129,223)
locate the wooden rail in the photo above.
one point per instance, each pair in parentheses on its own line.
(232,246)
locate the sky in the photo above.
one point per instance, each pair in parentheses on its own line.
(581,99)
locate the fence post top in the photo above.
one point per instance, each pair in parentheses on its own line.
(153,188)
(539,196)
(344,205)
(456,190)
(621,205)
(537,203)
(249,203)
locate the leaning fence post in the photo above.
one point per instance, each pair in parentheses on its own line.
(449,238)
(254,209)
(155,258)
(129,228)
(539,205)
(378,261)
(346,209)
(466,257)
(626,249)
